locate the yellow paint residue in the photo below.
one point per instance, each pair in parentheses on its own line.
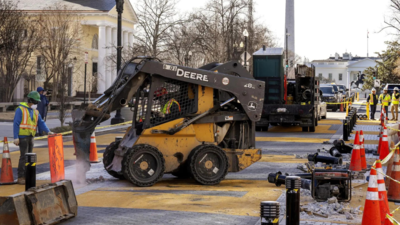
(12,189)
(281,159)
(292,139)
(321,129)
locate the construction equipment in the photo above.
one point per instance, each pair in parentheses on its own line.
(287,101)
(189,122)
(46,204)
(331,183)
(324,159)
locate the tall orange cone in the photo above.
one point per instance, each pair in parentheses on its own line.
(355,163)
(372,213)
(362,152)
(384,150)
(383,200)
(6,176)
(93,149)
(394,187)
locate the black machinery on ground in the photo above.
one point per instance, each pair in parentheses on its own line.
(287,101)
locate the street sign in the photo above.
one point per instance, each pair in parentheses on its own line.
(86,58)
(377,83)
(242,57)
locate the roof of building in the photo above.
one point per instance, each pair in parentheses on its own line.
(340,59)
(269,51)
(79,5)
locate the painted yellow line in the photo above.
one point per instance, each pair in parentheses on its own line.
(321,129)
(247,205)
(371,132)
(292,139)
(366,142)
(281,159)
(7,190)
(330,122)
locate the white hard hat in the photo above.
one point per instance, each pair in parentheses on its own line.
(373,89)
(385,89)
(396,89)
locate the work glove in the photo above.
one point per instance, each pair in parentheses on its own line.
(16,142)
(50,133)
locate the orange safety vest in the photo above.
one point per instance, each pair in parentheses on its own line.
(28,126)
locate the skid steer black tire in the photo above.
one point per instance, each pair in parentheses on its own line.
(108,157)
(208,164)
(143,165)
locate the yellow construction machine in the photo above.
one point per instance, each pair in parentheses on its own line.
(197,123)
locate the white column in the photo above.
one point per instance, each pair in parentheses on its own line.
(125,40)
(130,38)
(108,60)
(348,79)
(114,52)
(101,67)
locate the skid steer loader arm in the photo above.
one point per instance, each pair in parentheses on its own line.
(230,77)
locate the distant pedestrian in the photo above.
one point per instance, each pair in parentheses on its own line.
(373,101)
(385,101)
(42,105)
(26,120)
(395,104)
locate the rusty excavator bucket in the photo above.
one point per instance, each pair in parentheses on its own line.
(46,204)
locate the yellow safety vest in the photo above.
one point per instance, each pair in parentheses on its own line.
(395,100)
(371,99)
(168,105)
(27,127)
(386,100)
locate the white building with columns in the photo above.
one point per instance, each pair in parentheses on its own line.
(99,26)
(342,69)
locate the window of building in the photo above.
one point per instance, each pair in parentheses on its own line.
(95,42)
(340,76)
(320,76)
(330,77)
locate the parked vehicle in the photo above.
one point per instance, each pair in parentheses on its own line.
(390,87)
(339,94)
(343,90)
(330,96)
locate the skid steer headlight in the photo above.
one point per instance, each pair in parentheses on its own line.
(281,110)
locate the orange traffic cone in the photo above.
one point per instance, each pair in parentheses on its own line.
(6,176)
(362,152)
(389,169)
(93,149)
(383,201)
(355,163)
(384,150)
(394,187)
(372,213)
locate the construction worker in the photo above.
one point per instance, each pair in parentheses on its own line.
(385,100)
(373,101)
(395,104)
(26,120)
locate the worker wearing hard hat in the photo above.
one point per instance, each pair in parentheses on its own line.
(395,104)
(385,100)
(26,120)
(373,101)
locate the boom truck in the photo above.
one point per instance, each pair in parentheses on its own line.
(187,121)
(286,101)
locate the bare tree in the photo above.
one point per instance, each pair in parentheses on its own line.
(18,39)
(61,29)
(393,22)
(156,20)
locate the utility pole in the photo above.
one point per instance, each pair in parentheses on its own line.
(120,8)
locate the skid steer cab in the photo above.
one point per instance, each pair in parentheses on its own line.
(197,123)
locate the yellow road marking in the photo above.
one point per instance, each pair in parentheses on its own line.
(247,205)
(7,190)
(371,132)
(331,122)
(319,129)
(292,139)
(366,142)
(281,159)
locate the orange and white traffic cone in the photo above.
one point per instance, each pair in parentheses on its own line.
(384,150)
(389,169)
(93,149)
(372,213)
(6,176)
(355,163)
(362,152)
(383,200)
(394,187)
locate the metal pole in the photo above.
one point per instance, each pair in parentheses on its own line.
(245,52)
(293,185)
(30,170)
(287,54)
(84,91)
(120,8)
(269,212)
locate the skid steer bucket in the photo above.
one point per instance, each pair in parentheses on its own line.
(46,204)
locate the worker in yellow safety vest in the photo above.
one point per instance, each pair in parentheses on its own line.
(395,104)
(26,120)
(373,101)
(385,100)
